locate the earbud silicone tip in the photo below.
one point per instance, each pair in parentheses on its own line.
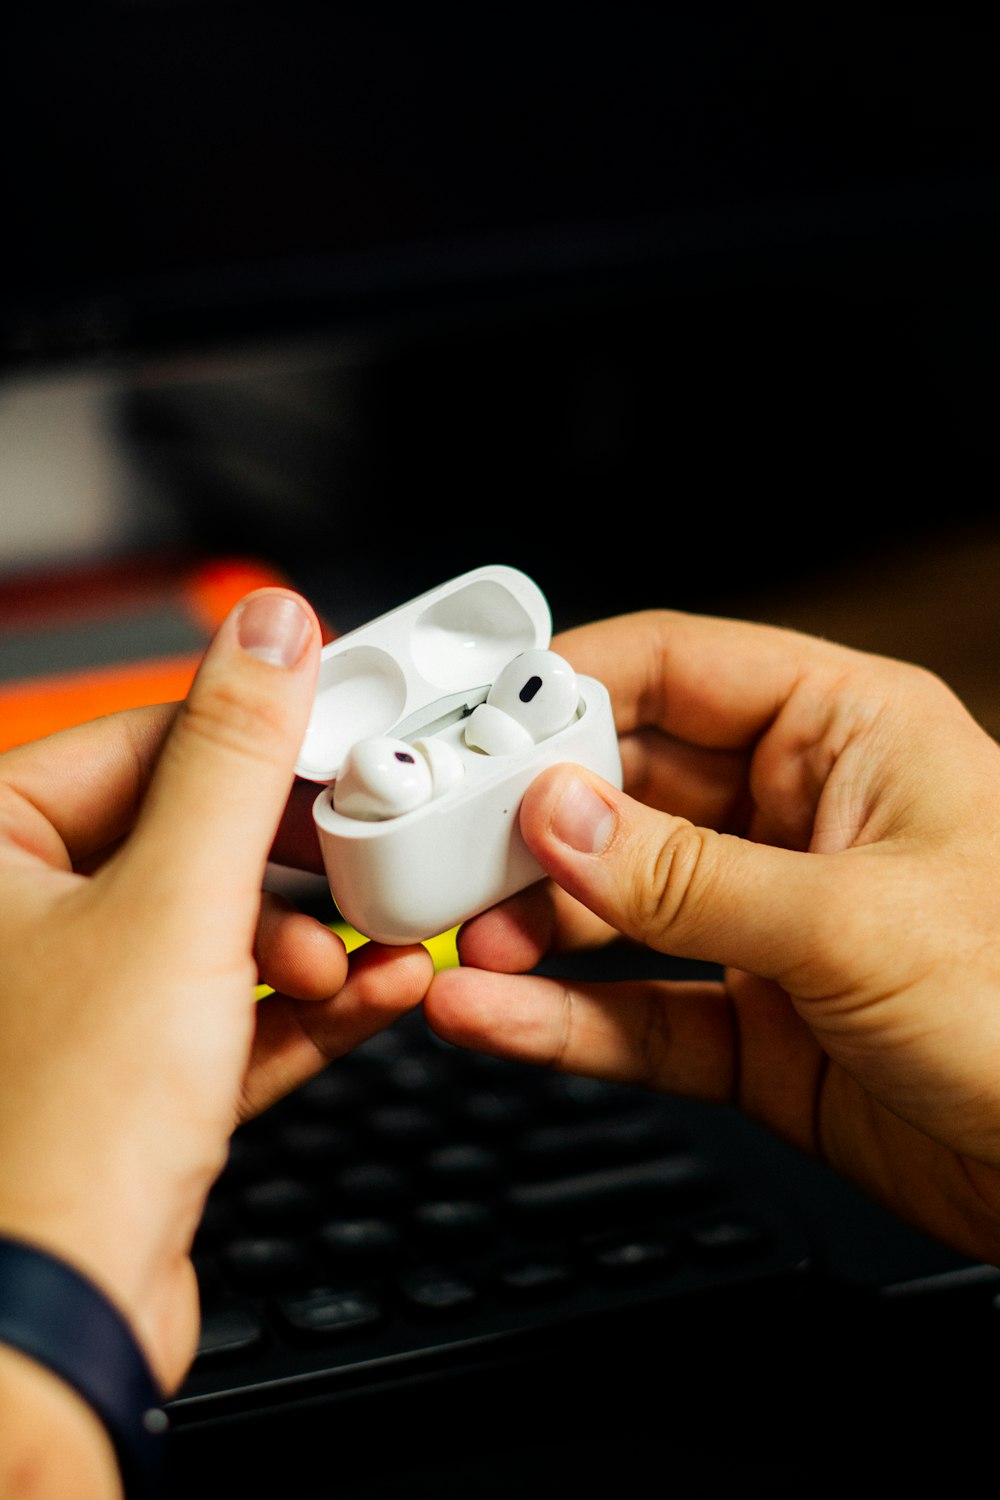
(494,732)
(444,761)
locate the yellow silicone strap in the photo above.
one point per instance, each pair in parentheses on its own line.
(442,949)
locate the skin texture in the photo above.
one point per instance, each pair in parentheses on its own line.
(823,823)
(134,934)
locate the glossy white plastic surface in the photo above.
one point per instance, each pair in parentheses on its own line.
(417,673)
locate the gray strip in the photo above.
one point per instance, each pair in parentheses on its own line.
(142,635)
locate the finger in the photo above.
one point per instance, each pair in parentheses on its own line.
(295,1039)
(665,882)
(296,954)
(810,922)
(80,789)
(85,785)
(215,800)
(515,935)
(714,682)
(704,785)
(673,1035)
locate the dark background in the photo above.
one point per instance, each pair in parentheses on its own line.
(665,304)
(693,306)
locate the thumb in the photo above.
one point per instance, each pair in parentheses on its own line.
(227,765)
(667,883)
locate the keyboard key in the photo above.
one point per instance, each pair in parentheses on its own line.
(227,1330)
(374,1185)
(326,1314)
(363,1242)
(726,1240)
(334,1092)
(628,1257)
(589,1143)
(589,1197)
(263,1263)
(404,1129)
(495,1112)
(536,1278)
(280,1203)
(438,1291)
(462,1164)
(455,1223)
(316,1147)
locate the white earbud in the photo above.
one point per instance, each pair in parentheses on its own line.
(494,732)
(534,697)
(384,777)
(445,764)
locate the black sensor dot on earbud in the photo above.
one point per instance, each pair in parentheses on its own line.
(405,757)
(530,689)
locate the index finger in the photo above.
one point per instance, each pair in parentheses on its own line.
(707,680)
(85,783)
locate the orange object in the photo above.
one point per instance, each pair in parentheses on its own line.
(110,606)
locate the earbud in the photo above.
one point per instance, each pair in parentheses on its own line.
(383,777)
(445,764)
(534,697)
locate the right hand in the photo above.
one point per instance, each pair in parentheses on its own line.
(823,823)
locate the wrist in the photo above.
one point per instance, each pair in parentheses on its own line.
(52,1443)
(57,1317)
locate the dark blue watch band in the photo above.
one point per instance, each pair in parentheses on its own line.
(53,1313)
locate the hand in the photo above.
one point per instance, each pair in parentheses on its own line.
(133,934)
(826,825)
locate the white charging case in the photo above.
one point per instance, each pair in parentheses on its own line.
(418,672)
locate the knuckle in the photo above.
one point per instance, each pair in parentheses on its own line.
(672,891)
(244,723)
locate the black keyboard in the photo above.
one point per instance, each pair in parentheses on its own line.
(418,1212)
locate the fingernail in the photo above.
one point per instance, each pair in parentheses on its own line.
(273,627)
(582,819)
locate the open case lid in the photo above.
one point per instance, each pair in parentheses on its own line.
(435,655)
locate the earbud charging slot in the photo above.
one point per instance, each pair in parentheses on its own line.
(444,712)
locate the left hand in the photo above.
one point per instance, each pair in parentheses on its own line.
(133,933)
